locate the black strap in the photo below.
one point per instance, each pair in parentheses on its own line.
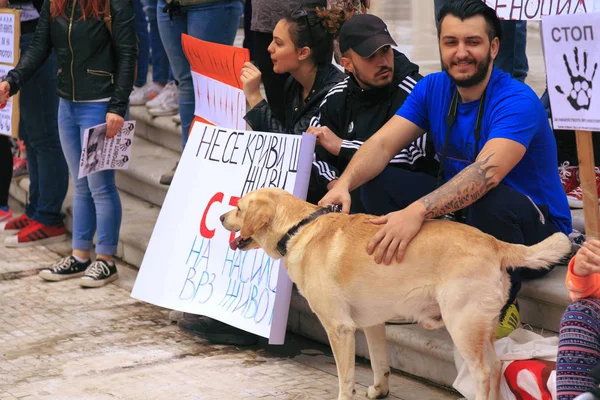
(450,120)
(282,244)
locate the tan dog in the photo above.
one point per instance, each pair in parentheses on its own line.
(451,274)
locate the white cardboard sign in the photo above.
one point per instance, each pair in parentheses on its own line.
(572,54)
(538,9)
(188,265)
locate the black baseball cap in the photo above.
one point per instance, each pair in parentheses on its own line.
(365,34)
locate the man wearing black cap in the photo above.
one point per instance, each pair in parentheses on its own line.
(381,78)
(497,153)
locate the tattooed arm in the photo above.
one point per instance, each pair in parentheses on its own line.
(497,158)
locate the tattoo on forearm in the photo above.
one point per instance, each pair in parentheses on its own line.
(463,190)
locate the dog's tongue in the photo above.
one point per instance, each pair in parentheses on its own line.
(235,243)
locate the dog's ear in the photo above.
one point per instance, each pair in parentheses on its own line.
(257,215)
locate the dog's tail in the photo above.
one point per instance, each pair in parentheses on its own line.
(542,255)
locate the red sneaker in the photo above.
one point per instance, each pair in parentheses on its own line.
(14,225)
(5,215)
(569,176)
(37,234)
(575,196)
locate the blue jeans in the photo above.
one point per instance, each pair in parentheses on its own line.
(511,57)
(217,22)
(96,202)
(141,29)
(38,128)
(161,70)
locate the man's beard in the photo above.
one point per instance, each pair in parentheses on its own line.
(370,83)
(476,78)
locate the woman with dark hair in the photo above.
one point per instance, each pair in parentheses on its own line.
(96,48)
(303,47)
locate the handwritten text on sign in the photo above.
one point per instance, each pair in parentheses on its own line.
(189,265)
(7,39)
(536,9)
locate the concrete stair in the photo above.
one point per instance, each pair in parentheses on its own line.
(426,354)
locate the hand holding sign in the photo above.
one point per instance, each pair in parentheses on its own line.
(580,94)
(251,78)
(114,122)
(4,92)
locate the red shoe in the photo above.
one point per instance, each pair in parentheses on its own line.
(575,196)
(5,215)
(14,225)
(569,176)
(37,234)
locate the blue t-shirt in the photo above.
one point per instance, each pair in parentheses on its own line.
(511,111)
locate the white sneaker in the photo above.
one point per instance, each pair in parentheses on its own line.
(168,106)
(166,92)
(140,96)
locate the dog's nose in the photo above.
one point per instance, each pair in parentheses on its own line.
(222,217)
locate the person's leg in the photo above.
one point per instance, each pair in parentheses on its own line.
(513,218)
(273,83)
(512,56)
(248,34)
(6,166)
(161,70)
(141,29)
(578,349)
(104,192)
(394,189)
(38,126)
(84,211)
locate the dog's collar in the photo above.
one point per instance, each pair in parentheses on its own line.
(282,244)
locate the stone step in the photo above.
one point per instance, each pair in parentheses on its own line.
(150,161)
(159,130)
(138,221)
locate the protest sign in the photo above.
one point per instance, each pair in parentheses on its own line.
(216,70)
(10,35)
(99,152)
(536,9)
(571,51)
(9,115)
(188,265)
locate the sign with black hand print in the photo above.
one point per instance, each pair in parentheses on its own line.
(572,54)
(100,153)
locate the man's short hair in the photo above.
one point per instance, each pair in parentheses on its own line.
(464,9)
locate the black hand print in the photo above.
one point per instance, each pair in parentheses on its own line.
(122,161)
(126,143)
(580,94)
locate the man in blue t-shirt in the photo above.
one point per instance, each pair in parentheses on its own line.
(496,149)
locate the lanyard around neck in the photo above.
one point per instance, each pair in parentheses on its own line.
(450,119)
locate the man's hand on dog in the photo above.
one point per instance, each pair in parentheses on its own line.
(399,228)
(326,138)
(339,195)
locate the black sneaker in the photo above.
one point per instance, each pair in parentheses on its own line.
(215,331)
(66,268)
(99,273)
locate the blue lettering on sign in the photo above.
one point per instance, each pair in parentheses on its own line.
(252,284)
(196,286)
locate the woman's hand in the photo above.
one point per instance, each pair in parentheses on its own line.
(4,92)
(114,122)
(251,78)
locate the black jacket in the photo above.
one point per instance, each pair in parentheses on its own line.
(92,63)
(355,114)
(298,114)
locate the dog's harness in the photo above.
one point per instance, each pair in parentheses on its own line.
(282,244)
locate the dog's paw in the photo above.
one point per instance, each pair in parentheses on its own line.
(377,392)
